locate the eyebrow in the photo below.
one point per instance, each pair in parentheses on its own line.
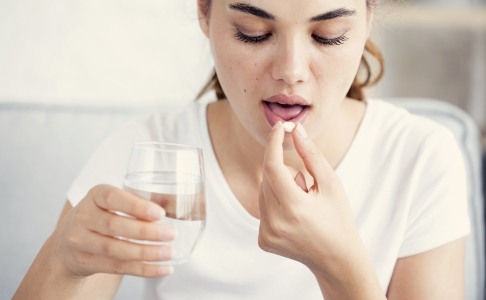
(333,14)
(253,10)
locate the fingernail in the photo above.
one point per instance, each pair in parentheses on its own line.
(301,131)
(277,125)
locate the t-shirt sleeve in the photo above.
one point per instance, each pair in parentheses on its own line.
(107,164)
(439,210)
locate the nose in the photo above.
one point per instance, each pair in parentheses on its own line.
(290,62)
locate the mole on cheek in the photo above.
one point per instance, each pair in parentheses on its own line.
(244,90)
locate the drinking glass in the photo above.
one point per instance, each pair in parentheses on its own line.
(172,176)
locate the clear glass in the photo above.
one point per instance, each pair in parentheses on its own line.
(172,176)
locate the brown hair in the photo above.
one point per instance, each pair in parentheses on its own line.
(364,78)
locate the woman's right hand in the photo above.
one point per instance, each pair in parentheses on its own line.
(91,237)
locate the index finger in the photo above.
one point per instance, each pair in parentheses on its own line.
(114,199)
(273,162)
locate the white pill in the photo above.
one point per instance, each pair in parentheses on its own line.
(288,126)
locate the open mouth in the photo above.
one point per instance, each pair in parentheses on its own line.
(285,112)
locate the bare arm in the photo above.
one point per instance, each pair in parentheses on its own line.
(435,274)
(45,278)
(84,259)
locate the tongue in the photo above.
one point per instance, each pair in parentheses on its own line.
(286,112)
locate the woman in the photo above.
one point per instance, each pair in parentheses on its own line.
(360,201)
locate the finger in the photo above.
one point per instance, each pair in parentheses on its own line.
(262,205)
(111,224)
(274,168)
(269,195)
(113,199)
(97,264)
(315,163)
(119,249)
(274,149)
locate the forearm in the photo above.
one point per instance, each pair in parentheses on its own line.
(353,278)
(47,279)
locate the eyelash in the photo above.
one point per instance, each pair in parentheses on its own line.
(262,38)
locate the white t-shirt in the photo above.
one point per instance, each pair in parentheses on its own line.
(403,174)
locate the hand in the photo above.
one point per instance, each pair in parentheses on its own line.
(308,225)
(91,238)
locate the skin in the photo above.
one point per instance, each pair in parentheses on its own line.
(286,180)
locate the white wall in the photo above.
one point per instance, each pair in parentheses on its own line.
(123,51)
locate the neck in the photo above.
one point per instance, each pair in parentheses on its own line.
(235,149)
(240,156)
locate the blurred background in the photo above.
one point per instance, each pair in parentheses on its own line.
(99,52)
(437,49)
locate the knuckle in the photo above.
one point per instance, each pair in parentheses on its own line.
(144,232)
(111,224)
(92,192)
(108,249)
(96,191)
(118,267)
(271,167)
(137,206)
(72,242)
(262,243)
(81,260)
(110,197)
(147,253)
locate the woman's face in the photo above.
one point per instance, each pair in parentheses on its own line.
(289,60)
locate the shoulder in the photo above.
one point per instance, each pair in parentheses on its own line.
(407,144)
(389,122)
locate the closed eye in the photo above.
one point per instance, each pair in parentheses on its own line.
(262,38)
(330,42)
(252,39)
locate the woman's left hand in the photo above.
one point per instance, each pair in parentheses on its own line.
(314,226)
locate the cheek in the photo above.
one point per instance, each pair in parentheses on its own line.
(342,66)
(239,70)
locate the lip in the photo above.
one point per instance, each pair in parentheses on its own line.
(287,100)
